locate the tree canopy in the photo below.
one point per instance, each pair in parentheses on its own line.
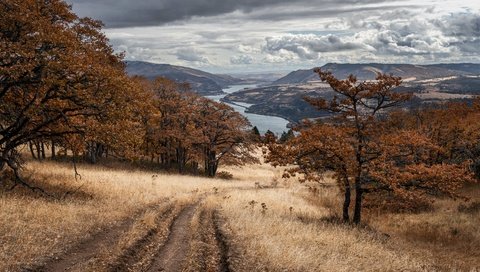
(62,85)
(367,149)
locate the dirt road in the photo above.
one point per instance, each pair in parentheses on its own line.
(170,243)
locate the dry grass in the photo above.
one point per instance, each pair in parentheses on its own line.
(33,228)
(449,238)
(288,234)
(291,231)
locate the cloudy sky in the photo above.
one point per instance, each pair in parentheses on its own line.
(270,35)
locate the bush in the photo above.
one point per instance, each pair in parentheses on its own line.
(472,208)
(389,203)
(224,175)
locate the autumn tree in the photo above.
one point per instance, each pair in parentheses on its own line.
(171,130)
(187,129)
(452,126)
(365,152)
(257,137)
(57,75)
(286,136)
(269,137)
(119,129)
(225,137)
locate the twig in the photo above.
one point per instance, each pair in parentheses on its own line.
(74,158)
(20,181)
(72,192)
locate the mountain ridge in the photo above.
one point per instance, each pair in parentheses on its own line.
(201,82)
(367,71)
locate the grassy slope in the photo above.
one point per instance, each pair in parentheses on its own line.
(289,233)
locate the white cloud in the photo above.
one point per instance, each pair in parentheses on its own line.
(433,31)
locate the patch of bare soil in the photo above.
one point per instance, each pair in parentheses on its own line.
(136,257)
(172,255)
(208,248)
(181,238)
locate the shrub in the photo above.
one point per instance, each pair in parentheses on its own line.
(224,175)
(474,207)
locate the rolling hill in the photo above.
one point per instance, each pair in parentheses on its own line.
(429,84)
(201,82)
(370,70)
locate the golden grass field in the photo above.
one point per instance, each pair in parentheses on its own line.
(232,224)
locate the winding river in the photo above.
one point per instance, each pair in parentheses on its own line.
(263,122)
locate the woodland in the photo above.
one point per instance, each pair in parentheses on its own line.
(64,89)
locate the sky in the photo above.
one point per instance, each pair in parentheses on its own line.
(228,36)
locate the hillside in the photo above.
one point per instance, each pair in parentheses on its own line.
(121,219)
(201,82)
(370,70)
(283,101)
(429,84)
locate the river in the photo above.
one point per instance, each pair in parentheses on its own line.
(263,122)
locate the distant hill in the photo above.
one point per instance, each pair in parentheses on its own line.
(201,82)
(429,83)
(370,70)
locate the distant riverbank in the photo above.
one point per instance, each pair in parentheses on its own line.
(263,122)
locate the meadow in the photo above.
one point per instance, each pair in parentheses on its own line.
(119,218)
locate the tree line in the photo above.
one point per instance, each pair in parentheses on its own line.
(63,87)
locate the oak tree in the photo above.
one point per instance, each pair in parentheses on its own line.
(58,74)
(363,149)
(225,136)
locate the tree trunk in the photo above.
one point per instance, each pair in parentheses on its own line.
(211,163)
(53,150)
(39,152)
(91,153)
(181,159)
(346,202)
(31,150)
(2,165)
(99,150)
(358,201)
(195,168)
(42,146)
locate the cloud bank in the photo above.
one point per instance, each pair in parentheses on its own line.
(279,34)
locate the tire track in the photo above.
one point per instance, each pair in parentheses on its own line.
(223,265)
(75,258)
(172,255)
(136,255)
(208,250)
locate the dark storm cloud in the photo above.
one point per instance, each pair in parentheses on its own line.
(127,13)
(191,55)
(317,11)
(464,28)
(460,24)
(241,59)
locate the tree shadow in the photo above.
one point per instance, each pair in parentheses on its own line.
(41,187)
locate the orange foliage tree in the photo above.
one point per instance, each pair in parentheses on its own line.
(58,76)
(171,130)
(364,150)
(226,136)
(187,130)
(453,127)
